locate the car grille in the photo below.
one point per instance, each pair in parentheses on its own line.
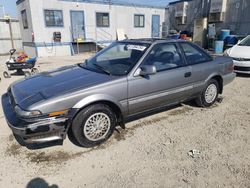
(240,59)
(241,68)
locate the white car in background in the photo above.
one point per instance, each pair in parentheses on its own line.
(241,56)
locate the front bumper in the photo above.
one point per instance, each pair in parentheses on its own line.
(242,67)
(34,130)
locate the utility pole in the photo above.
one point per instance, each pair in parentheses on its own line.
(8,20)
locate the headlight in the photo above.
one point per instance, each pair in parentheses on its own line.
(23,113)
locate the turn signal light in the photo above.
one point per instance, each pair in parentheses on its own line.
(58,113)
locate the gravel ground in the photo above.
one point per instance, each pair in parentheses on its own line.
(151,152)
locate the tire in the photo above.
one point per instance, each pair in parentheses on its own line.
(211,91)
(27,73)
(84,123)
(6,74)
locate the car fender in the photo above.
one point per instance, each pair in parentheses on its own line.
(219,82)
(211,76)
(95,98)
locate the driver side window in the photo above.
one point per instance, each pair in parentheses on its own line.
(164,57)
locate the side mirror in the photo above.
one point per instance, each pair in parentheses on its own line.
(146,70)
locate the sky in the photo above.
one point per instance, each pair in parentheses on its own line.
(10,5)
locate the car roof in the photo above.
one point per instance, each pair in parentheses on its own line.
(153,40)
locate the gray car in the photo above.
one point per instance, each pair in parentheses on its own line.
(127,79)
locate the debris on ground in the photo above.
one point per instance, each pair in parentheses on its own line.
(194,153)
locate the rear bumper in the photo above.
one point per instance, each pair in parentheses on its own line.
(228,78)
(34,130)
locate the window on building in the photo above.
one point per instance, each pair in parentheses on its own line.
(193,54)
(24,19)
(102,19)
(53,18)
(139,20)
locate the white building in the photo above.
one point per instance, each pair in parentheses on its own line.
(82,23)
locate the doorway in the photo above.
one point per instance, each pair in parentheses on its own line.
(77,26)
(155,26)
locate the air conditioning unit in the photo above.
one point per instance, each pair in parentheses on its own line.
(217,17)
(181,13)
(217,10)
(182,20)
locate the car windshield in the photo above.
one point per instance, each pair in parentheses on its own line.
(245,42)
(118,59)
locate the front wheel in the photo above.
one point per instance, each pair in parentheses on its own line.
(93,125)
(209,95)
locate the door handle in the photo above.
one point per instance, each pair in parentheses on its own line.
(187,74)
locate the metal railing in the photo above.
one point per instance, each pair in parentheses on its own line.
(90,33)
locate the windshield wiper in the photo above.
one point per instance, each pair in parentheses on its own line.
(102,69)
(84,65)
(81,65)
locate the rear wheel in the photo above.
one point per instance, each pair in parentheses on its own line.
(209,95)
(93,125)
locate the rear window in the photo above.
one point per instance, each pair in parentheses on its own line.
(193,54)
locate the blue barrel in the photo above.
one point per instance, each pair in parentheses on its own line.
(218,47)
(231,40)
(224,34)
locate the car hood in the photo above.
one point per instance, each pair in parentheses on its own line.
(240,51)
(49,84)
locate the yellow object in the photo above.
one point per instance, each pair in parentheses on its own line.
(79,40)
(52,114)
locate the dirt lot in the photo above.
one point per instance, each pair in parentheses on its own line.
(151,152)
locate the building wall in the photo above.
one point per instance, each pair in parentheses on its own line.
(196,9)
(237,17)
(5,37)
(121,17)
(166,23)
(25,33)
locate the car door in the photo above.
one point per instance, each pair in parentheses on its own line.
(170,84)
(198,60)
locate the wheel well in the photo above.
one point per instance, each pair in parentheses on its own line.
(113,106)
(220,82)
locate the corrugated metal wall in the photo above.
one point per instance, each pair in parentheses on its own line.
(237,17)
(5,36)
